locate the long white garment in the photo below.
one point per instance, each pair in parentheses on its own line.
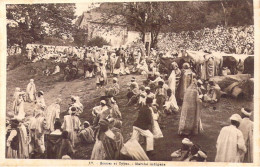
(104,73)
(246,127)
(147,133)
(19,107)
(98,152)
(40,105)
(157,133)
(172,81)
(31,90)
(52,112)
(72,125)
(230,145)
(57,70)
(134,150)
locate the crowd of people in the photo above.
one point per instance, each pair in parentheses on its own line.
(47,135)
(232,40)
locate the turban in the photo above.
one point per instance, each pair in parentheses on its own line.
(115,79)
(104,122)
(187,141)
(103,102)
(235,117)
(86,122)
(246,112)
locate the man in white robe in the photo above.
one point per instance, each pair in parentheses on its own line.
(174,77)
(40,102)
(52,113)
(31,91)
(246,126)
(77,104)
(72,125)
(230,143)
(37,127)
(57,69)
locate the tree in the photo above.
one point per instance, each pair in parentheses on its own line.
(97,41)
(141,16)
(28,23)
(155,17)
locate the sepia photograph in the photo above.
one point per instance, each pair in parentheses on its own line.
(168,81)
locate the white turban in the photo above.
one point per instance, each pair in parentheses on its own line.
(187,141)
(246,112)
(103,102)
(235,117)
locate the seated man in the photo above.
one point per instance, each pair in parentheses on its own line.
(133,94)
(170,105)
(87,134)
(213,93)
(183,152)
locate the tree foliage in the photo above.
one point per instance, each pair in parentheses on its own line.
(28,23)
(97,41)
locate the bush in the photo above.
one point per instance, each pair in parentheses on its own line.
(97,41)
(14,61)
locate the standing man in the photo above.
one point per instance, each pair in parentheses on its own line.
(190,120)
(31,91)
(230,143)
(72,124)
(52,113)
(246,126)
(143,124)
(108,143)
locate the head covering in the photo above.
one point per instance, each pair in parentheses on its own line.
(157,73)
(65,157)
(187,141)
(235,117)
(17,89)
(133,79)
(147,88)
(104,122)
(103,102)
(41,92)
(200,82)
(86,122)
(202,154)
(186,65)
(246,112)
(174,64)
(113,100)
(134,84)
(115,79)
(31,80)
(142,87)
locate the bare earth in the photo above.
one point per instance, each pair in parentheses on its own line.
(54,86)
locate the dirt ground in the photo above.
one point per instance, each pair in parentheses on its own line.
(54,86)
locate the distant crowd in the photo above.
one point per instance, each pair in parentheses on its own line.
(232,40)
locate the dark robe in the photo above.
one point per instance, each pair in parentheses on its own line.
(53,146)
